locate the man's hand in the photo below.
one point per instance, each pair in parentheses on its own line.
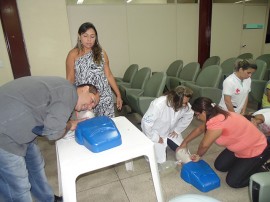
(72,124)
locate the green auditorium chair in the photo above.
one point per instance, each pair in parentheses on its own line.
(206,84)
(213,60)
(138,82)
(139,100)
(189,73)
(128,75)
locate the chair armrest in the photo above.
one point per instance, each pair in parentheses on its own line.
(118,79)
(134,91)
(124,84)
(154,73)
(185,83)
(173,82)
(213,93)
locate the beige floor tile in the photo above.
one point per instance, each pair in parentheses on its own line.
(140,166)
(110,192)
(140,188)
(96,178)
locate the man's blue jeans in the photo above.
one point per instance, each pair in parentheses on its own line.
(21,177)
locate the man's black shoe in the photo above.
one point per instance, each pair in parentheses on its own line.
(58,198)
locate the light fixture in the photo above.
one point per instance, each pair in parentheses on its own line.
(128,1)
(80,1)
(238,2)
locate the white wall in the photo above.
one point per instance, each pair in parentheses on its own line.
(5,71)
(187,32)
(149,35)
(110,22)
(228,35)
(266,48)
(227,23)
(152,35)
(46,34)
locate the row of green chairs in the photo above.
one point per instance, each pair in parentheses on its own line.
(203,82)
(143,89)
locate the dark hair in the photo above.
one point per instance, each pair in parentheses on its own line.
(97,50)
(249,116)
(175,97)
(245,64)
(92,88)
(211,109)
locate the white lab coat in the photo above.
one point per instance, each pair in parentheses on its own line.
(161,120)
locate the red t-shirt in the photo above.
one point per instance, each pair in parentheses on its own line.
(238,135)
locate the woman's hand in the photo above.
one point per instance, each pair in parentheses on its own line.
(119,102)
(195,157)
(253,120)
(160,140)
(243,112)
(173,135)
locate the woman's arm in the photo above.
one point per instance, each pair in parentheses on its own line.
(228,103)
(149,120)
(70,63)
(112,82)
(258,119)
(208,139)
(184,121)
(243,110)
(195,133)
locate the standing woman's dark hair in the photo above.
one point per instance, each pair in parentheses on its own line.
(97,50)
(211,109)
(175,97)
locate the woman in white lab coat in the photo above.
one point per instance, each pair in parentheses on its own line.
(166,118)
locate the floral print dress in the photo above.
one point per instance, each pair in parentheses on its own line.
(88,72)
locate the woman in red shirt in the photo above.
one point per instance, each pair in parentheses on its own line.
(246,147)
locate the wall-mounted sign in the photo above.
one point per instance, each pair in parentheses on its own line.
(252,26)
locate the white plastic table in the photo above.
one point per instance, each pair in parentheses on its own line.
(74,159)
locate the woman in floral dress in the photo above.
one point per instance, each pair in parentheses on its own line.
(87,62)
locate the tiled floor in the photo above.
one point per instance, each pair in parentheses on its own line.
(116,184)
